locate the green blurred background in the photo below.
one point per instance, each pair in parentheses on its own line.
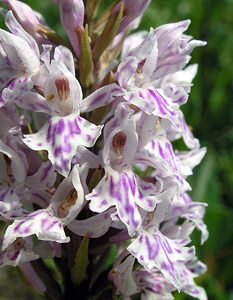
(210,114)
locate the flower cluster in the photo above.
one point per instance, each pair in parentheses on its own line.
(86,147)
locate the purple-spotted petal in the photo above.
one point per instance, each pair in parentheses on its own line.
(101,97)
(61,137)
(18,30)
(132,41)
(154,250)
(183,130)
(118,189)
(174,48)
(126,72)
(19,52)
(14,91)
(159,154)
(43,179)
(84,155)
(10,205)
(32,101)
(63,54)
(192,211)
(190,159)
(152,102)
(42,223)
(17,253)
(153,285)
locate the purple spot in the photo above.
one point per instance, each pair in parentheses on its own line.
(57,151)
(99,98)
(152,251)
(161,152)
(103,203)
(60,126)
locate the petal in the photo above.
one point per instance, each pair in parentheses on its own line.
(119,190)
(94,227)
(192,211)
(63,54)
(10,205)
(159,154)
(134,10)
(190,141)
(18,30)
(18,49)
(68,199)
(126,71)
(189,286)
(84,155)
(14,91)
(167,34)
(157,251)
(43,179)
(31,275)
(33,102)
(42,223)
(8,119)
(185,76)
(132,41)
(153,285)
(24,14)
(190,159)
(101,97)
(122,277)
(40,198)
(148,51)
(174,48)
(152,102)
(61,137)
(17,253)
(150,194)
(46,55)
(17,165)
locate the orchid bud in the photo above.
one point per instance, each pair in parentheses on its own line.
(72,14)
(24,14)
(72,18)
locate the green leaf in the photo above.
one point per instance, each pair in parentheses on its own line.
(78,272)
